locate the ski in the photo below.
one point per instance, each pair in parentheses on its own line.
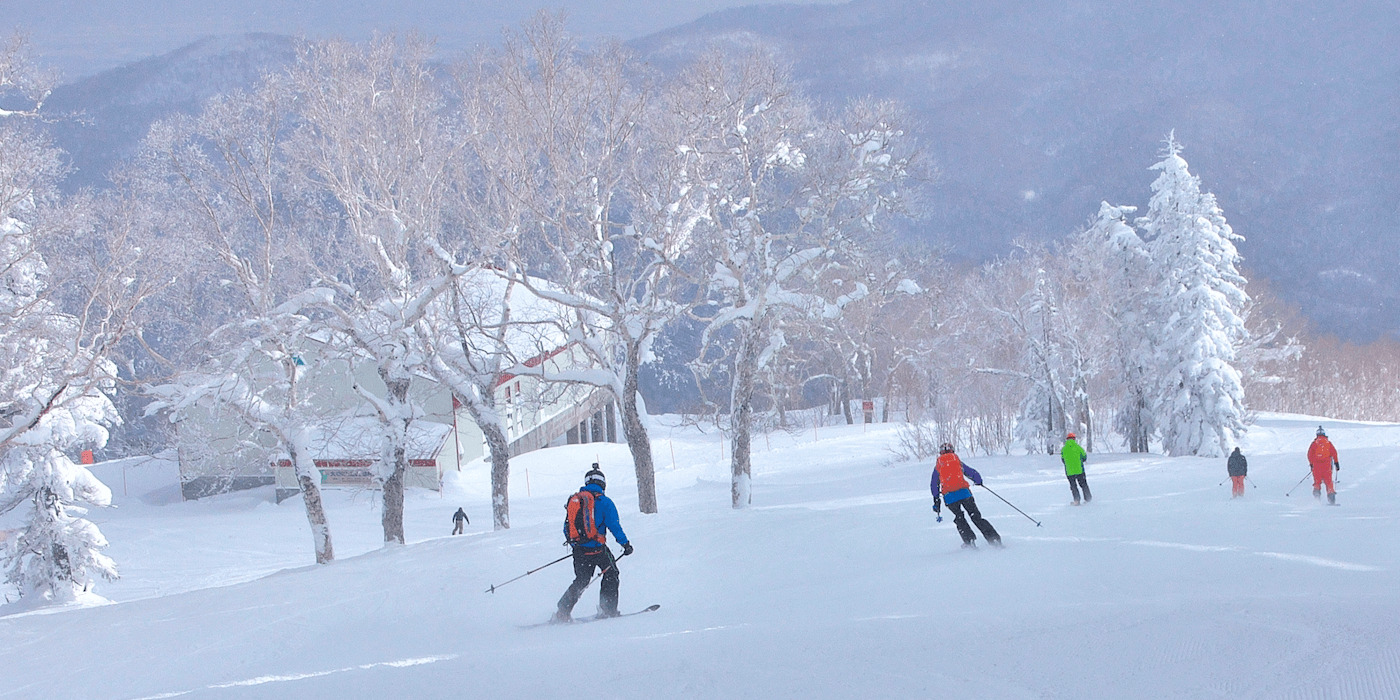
(595,618)
(591,618)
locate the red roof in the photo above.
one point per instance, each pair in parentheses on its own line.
(535,361)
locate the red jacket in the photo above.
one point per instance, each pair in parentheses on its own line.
(1322,454)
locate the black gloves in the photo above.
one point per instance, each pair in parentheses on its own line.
(1337,466)
(626,549)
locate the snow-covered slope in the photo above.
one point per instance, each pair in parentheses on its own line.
(837,583)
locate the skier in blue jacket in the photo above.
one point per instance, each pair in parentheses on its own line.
(590,549)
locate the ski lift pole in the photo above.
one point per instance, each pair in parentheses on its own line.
(1013,507)
(1300,482)
(493,588)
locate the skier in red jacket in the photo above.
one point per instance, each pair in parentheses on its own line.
(1322,456)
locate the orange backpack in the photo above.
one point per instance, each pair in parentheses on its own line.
(950,473)
(579,526)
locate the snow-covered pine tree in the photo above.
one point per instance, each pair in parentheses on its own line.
(58,553)
(1199,398)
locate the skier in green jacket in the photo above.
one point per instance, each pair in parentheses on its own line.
(1074,458)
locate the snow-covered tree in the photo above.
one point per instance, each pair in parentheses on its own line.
(223,177)
(1116,265)
(785,192)
(58,553)
(612,214)
(1201,304)
(24,84)
(873,347)
(1026,298)
(475,337)
(372,137)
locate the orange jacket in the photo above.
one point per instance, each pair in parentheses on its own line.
(1322,454)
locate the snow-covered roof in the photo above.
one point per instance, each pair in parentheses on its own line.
(536,323)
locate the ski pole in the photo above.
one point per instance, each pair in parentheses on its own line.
(1018,510)
(1300,482)
(493,588)
(1251,481)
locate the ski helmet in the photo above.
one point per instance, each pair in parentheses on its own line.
(1321,432)
(1070,436)
(595,476)
(945,448)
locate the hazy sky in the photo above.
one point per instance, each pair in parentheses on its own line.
(81,37)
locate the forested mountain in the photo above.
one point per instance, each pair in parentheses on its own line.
(1033,113)
(1036,111)
(109,113)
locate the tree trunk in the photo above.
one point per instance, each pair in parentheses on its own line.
(311,498)
(392,519)
(846,403)
(483,413)
(499,447)
(397,398)
(636,432)
(1138,438)
(741,419)
(1088,425)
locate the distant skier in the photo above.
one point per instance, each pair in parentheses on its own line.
(589,517)
(1322,457)
(458,519)
(949,483)
(1073,456)
(1238,468)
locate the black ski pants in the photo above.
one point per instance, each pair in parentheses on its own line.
(1077,482)
(967,508)
(585,560)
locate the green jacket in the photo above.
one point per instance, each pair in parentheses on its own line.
(1074,457)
